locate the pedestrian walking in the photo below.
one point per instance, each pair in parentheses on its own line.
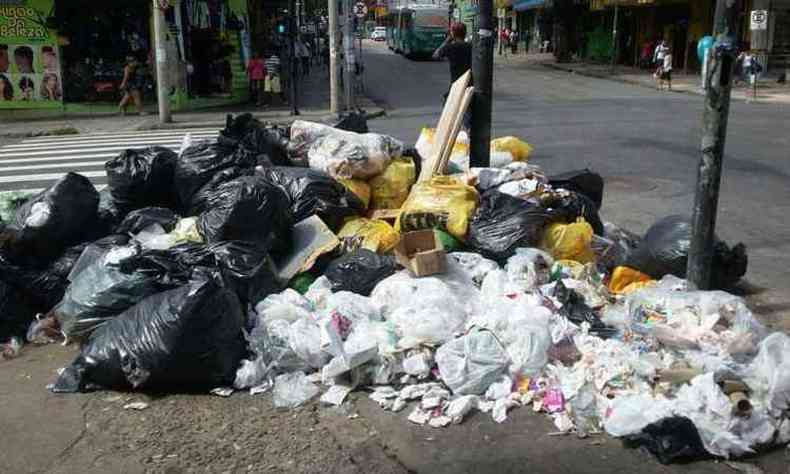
(664,71)
(659,53)
(459,54)
(504,38)
(132,85)
(256,70)
(272,86)
(513,39)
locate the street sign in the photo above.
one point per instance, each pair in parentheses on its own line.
(360,10)
(759,20)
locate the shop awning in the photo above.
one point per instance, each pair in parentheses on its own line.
(521,5)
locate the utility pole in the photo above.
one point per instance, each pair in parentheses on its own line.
(483,76)
(163,97)
(292,21)
(714,132)
(348,53)
(334,77)
(614,35)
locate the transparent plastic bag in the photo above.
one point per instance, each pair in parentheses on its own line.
(470,364)
(292,390)
(288,305)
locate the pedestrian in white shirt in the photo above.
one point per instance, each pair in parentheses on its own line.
(665,71)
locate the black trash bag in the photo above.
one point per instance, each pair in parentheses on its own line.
(142,178)
(51,221)
(268,142)
(43,288)
(504,223)
(353,122)
(109,215)
(202,200)
(315,192)
(250,209)
(576,310)
(188,338)
(110,283)
(198,164)
(360,271)
(138,220)
(584,181)
(15,313)
(670,440)
(571,206)
(664,251)
(245,267)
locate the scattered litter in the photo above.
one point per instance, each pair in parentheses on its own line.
(135,406)
(222,391)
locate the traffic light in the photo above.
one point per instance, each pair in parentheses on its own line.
(282,26)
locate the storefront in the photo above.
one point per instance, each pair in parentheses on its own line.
(528,14)
(30,62)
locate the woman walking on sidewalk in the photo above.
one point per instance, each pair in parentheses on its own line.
(132,85)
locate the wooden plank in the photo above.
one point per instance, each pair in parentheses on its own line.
(458,122)
(442,134)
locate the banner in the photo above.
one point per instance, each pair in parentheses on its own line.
(30,73)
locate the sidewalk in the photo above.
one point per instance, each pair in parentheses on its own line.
(768,91)
(313,104)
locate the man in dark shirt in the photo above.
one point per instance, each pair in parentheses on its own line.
(457,51)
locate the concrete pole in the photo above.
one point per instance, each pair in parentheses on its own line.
(714,132)
(292,64)
(163,97)
(483,77)
(334,77)
(348,53)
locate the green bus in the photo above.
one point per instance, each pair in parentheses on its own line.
(417,30)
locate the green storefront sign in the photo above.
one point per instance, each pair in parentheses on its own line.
(30,73)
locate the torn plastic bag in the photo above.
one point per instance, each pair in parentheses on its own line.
(489,178)
(313,192)
(583,181)
(142,178)
(673,439)
(198,164)
(576,310)
(665,247)
(249,209)
(138,220)
(54,219)
(119,279)
(504,223)
(770,371)
(15,314)
(183,339)
(469,364)
(360,271)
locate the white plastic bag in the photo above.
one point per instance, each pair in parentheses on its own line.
(469,364)
(288,305)
(304,337)
(770,372)
(476,266)
(428,321)
(631,413)
(529,268)
(292,390)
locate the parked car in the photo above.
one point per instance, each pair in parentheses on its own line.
(379,34)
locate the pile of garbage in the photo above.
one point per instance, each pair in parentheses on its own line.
(309,260)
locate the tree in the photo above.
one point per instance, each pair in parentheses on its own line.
(564,14)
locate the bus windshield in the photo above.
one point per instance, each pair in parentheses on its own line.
(430,19)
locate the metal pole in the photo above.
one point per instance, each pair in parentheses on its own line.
(483,77)
(161,64)
(714,132)
(292,21)
(348,53)
(614,35)
(334,77)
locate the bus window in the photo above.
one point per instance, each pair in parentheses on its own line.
(430,20)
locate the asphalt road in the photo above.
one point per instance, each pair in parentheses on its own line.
(645,143)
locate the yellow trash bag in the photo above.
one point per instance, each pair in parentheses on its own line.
(517,147)
(444,203)
(425,144)
(390,189)
(569,241)
(360,189)
(626,280)
(371,234)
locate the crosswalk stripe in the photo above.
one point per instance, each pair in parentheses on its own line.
(45,159)
(115,141)
(77,164)
(101,136)
(45,177)
(77,151)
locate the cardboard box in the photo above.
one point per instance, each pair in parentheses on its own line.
(422,253)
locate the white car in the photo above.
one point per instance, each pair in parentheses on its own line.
(379,34)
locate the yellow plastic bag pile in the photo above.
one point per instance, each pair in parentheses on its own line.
(626,280)
(371,234)
(443,203)
(390,189)
(569,241)
(517,147)
(360,188)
